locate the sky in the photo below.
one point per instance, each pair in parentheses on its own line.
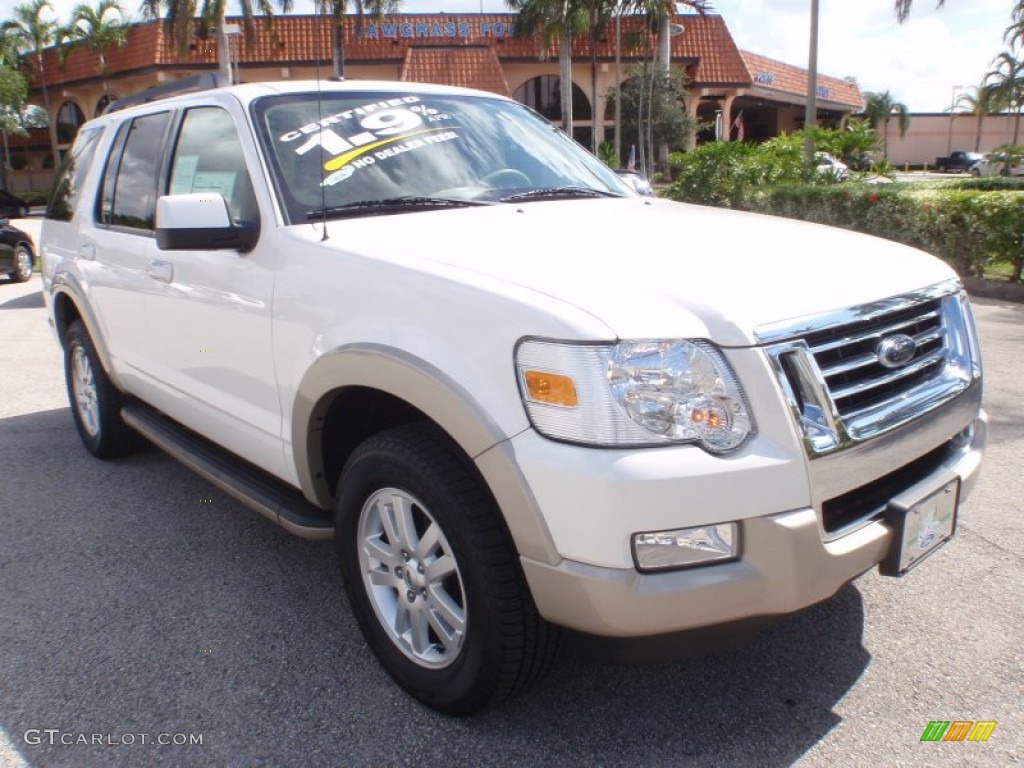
(919,63)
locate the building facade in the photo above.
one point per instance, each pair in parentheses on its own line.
(756,97)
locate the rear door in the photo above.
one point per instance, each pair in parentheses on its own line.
(116,250)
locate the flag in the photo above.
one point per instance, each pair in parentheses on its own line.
(631,163)
(738,126)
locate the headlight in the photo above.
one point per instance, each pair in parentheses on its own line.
(634,393)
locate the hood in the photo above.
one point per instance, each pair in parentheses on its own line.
(658,269)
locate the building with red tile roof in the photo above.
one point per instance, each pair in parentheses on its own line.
(473,50)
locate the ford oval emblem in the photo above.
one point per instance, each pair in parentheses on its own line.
(896,350)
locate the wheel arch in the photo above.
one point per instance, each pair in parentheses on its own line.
(393,385)
(362,389)
(68,304)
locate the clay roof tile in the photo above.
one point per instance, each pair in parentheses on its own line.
(775,75)
(470,67)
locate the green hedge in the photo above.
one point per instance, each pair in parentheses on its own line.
(973,230)
(974,224)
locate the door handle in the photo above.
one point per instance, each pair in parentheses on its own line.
(87,251)
(162,271)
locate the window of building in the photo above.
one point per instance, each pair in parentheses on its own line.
(544,94)
(69,118)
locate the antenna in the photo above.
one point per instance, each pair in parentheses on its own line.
(317,53)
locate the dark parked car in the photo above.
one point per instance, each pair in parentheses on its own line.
(12,206)
(958,162)
(17,253)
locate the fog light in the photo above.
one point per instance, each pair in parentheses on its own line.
(685,546)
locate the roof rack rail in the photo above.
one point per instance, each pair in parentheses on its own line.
(203,82)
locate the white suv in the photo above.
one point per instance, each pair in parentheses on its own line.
(424,322)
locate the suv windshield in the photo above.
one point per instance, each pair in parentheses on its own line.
(356,154)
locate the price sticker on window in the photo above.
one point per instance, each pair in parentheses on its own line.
(371,132)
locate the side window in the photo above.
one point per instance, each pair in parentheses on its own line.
(209,158)
(71,175)
(130,180)
(105,204)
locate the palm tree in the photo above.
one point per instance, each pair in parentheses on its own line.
(180,15)
(660,15)
(1014,33)
(880,108)
(13,93)
(337,10)
(100,28)
(980,100)
(1007,79)
(30,31)
(547,21)
(903,8)
(599,15)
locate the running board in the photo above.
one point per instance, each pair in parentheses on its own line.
(272,498)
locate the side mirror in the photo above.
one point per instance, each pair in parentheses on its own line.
(201,221)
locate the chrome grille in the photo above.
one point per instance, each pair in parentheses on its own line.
(848,357)
(843,389)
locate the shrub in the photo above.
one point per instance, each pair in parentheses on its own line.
(968,228)
(606,154)
(727,173)
(972,223)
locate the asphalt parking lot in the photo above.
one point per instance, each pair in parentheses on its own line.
(139,604)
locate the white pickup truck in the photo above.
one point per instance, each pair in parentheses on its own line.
(424,322)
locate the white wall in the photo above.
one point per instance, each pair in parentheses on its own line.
(929,136)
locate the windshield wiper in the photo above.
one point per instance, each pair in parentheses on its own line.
(555,192)
(392,205)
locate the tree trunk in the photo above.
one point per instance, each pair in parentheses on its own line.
(641,132)
(565,76)
(223,44)
(593,88)
(663,55)
(51,121)
(338,50)
(5,163)
(977,138)
(664,67)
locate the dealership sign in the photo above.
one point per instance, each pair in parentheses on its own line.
(440,28)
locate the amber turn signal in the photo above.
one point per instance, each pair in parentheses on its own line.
(550,388)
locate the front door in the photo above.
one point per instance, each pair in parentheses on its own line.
(209,311)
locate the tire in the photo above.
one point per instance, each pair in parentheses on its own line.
(95,403)
(23,261)
(459,636)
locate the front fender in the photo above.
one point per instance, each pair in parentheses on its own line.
(398,373)
(444,400)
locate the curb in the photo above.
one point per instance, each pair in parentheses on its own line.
(994,289)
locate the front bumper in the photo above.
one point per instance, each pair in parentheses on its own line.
(787,563)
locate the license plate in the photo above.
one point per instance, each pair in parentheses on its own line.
(920,526)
